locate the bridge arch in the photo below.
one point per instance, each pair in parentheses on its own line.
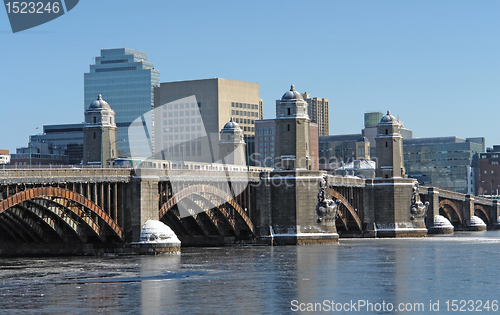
(446,202)
(335,194)
(64,203)
(204,192)
(482,213)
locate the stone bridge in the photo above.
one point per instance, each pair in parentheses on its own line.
(106,206)
(460,209)
(64,207)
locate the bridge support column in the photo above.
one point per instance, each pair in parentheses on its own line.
(494,214)
(262,215)
(141,202)
(293,218)
(471,222)
(433,209)
(468,210)
(391,201)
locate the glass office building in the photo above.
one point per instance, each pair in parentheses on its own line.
(445,162)
(126,81)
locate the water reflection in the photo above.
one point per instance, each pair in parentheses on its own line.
(156,289)
(257,280)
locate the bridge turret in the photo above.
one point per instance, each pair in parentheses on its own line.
(293,150)
(389,148)
(99,133)
(232,144)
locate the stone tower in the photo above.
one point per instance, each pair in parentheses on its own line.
(99,134)
(231,144)
(391,202)
(389,148)
(292,129)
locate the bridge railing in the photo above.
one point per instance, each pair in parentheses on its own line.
(453,195)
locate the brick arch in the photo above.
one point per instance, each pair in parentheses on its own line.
(482,213)
(335,194)
(56,192)
(202,189)
(450,203)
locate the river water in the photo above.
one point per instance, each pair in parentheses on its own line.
(361,276)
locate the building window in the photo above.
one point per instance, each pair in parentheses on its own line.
(361,150)
(289,111)
(94,135)
(288,127)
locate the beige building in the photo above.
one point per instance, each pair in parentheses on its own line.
(317,108)
(217,100)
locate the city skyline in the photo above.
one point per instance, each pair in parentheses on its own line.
(432,64)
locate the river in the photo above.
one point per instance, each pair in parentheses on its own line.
(430,275)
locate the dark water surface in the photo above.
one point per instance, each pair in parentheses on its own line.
(267,280)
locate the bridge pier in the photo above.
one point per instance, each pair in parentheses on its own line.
(441,226)
(141,202)
(495,214)
(390,201)
(470,221)
(287,209)
(433,209)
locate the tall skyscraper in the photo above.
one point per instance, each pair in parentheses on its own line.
(317,109)
(126,80)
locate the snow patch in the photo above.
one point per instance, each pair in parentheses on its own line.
(155,231)
(442,222)
(476,221)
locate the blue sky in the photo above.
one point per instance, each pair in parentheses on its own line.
(435,64)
